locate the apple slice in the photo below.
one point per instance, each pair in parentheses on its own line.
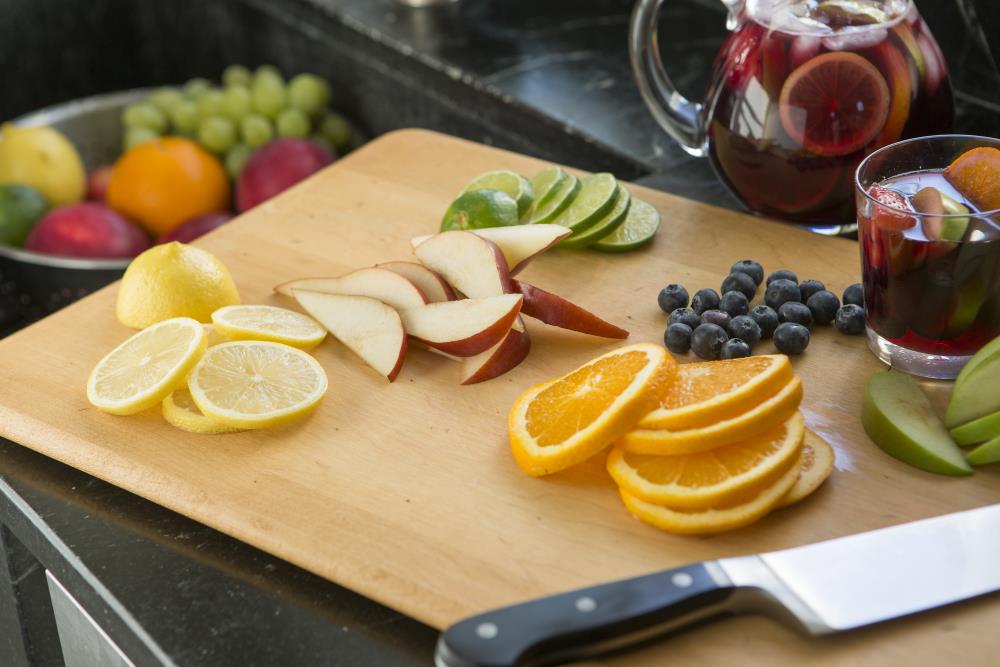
(976,394)
(387,286)
(557,311)
(431,284)
(471,264)
(463,328)
(519,244)
(369,328)
(934,203)
(500,358)
(900,420)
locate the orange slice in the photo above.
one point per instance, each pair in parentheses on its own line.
(711,391)
(817,464)
(768,414)
(719,477)
(700,522)
(560,423)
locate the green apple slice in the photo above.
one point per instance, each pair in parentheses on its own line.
(516,186)
(603,227)
(988,452)
(978,430)
(597,196)
(977,394)
(898,417)
(985,352)
(545,212)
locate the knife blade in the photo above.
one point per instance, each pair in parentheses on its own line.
(820,588)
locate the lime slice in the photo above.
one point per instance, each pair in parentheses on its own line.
(546,183)
(597,197)
(517,187)
(557,203)
(639,227)
(604,226)
(478,209)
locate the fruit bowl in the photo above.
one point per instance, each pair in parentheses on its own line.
(34,284)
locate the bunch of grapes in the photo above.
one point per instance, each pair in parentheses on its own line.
(249,110)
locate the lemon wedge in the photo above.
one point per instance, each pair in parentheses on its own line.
(255,384)
(143,370)
(279,325)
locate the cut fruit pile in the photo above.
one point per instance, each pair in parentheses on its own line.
(598,211)
(697,448)
(459,300)
(249,382)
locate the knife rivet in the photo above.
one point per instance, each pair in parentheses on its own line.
(586,604)
(682,580)
(487,630)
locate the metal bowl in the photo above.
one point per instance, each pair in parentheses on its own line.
(33,284)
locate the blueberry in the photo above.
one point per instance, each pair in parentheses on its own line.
(766,318)
(809,287)
(734,348)
(678,338)
(684,316)
(793,311)
(783,274)
(855,294)
(850,319)
(672,297)
(751,268)
(735,303)
(740,282)
(707,341)
(791,338)
(705,299)
(823,305)
(719,317)
(745,328)
(781,291)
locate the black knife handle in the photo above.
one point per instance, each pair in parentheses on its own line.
(584,622)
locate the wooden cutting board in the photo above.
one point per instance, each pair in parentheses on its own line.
(407,492)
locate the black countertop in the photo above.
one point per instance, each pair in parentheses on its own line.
(171,591)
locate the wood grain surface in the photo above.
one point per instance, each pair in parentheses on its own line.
(407,492)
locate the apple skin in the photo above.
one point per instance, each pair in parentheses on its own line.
(190,230)
(559,312)
(430,325)
(988,452)
(88,229)
(434,287)
(976,394)
(277,166)
(897,416)
(978,430)
(97,183)
(472,265)
(499,359)
(382,284)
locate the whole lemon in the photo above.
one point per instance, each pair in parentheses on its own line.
(174,280)
(44,159)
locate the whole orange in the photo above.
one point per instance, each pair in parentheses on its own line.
(163,182)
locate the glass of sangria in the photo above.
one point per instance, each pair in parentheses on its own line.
(801,91)
(928,212)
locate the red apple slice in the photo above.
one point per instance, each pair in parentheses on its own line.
(431,284)
(500,358)
(366,326)
(557,311)
(463,328)
(382,284)
(471,264)
(519,244)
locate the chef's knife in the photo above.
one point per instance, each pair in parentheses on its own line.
(820,588)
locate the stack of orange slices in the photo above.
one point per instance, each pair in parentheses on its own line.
(697,448)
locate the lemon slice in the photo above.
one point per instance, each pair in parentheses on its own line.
(180,410)
(279,325)
(255,384)
(143,370)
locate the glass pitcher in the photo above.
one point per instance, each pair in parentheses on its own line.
(800,92)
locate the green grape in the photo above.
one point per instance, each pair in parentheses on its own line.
(268,72)
(292,123)
(166,99)
(195,87)
(236,75)
(236,157)
(256,130)
(210,103)
(138,135)
(337,130)
(184,116)
(216,133)
(268,96)
(236,101)
(144,114)
(309,93)
(320,140)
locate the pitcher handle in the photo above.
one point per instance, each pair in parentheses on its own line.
(681,118)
